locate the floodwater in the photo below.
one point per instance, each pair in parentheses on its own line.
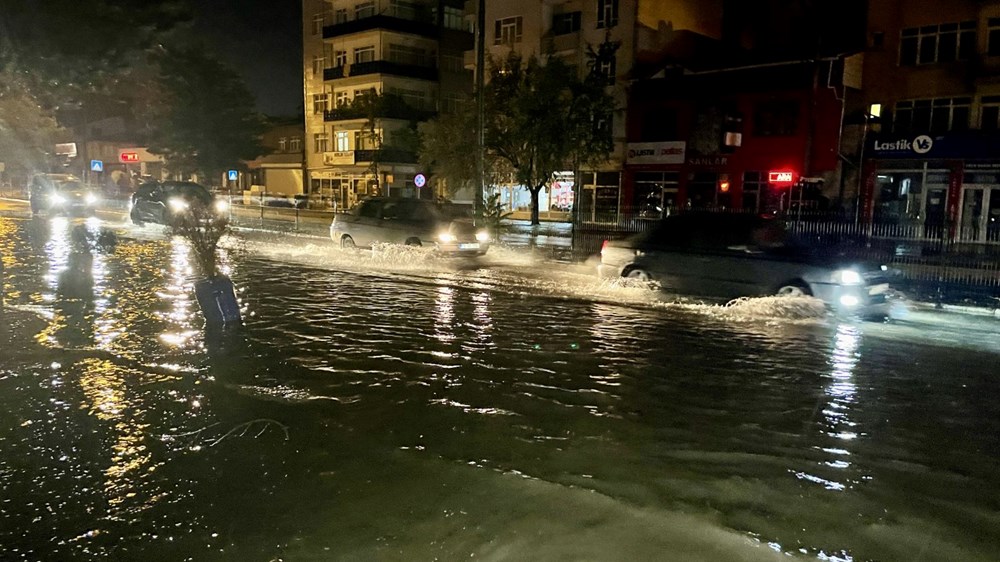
(391,405)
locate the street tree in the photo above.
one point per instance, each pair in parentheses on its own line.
(207,122)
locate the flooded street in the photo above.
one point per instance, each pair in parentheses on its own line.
(392,405)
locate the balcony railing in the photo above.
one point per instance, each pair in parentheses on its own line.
(394,155)
(333,73)
(387,106)
(419,24)
(394,68)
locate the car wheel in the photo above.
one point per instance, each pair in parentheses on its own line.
(413,242)
(640,274)
(347,243)
(793,289)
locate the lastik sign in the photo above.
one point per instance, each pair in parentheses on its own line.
(918,145)
(656,152)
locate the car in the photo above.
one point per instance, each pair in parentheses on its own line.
(731,255)
(160,202)
(61,193)
(414,222)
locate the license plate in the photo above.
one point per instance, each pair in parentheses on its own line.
(878,289)
(468,246)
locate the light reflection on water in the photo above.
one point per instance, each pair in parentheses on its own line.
(435,420)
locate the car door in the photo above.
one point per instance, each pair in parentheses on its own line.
(665,254)
(364,226)
(724,261)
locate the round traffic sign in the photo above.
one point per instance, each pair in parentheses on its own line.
(419,180)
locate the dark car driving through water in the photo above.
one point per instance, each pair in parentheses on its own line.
(413,222)
(730,256)
(161,202)
(61,194)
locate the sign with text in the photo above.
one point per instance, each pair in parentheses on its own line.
(129,156)
(345,158)
(781,177)
(656,152)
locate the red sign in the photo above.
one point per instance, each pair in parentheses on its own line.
(781,176)
(130,156)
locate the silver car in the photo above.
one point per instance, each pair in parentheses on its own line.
(413,222)
(730,256)
(61,193)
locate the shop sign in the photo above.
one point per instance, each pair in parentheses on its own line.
(708,161)
(917,146)
(67,149)
(345,158)
(129,156)
(959,145)
(656,152)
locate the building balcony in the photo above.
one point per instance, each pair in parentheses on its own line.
(566,42)
(417,25)
(385,110)
(394,68)
(386,155)
(333,73)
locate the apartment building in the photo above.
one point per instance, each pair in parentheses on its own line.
(927,120)
(408,54)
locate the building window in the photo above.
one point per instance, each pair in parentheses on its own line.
(341,16)
(655,193)
(607,13)
(404,10)
(931,44)
(565,23)
(450,102)
(321,103)
(317,27)
(453,18)
(343,141)
(364,54)
(319,63)
(364,10)
(989,119)
(362,92)
(405,54)
(363,140)
(295,144)
(413,98)
(993,37)
(341,98)
(321,143)
(775,118)
(340,58)
(508,31)
(937,115)
(452,63)
(282,144)
(607,69)
(754,184)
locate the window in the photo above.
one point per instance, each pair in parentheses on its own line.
(340,58)
(321,143)
(990,116)
(341,98)
(364,54)
(405,54)
(295,144)
(607,69)
(937,115)
(343,141)
(508,31)
(877,40)
(565,23)
(282,144)
(363,92)
(364,10)
(413,98)
(341,16)
(317,26)
(607,13)
(404,10)
(319,63)
(993,37)
(452,63)
(321,103)
(450,102)
(659,125)
(753,186)
(453,18)
(363,140)
(655,193)
(775,118)
(947,42)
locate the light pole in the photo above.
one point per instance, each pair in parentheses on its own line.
(477,200)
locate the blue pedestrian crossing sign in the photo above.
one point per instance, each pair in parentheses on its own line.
(234,175)
(97,165)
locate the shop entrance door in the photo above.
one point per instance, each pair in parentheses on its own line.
(980,214)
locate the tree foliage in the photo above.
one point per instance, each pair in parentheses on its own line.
(207,122)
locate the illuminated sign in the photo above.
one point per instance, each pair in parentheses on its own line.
(781,176)
(724,186)
(67,149)
(96,165)
(419,180)
(129,156)
(233,175)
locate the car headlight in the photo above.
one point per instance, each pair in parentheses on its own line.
(221,206)
(848,277)
(177,205)
(58,199)
(446,237)
(90,199)
(483,236)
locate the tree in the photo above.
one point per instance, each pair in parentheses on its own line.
(446,146)
(207,122)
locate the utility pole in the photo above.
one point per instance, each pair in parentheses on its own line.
(480,108)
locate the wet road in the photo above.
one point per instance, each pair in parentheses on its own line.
(396,406)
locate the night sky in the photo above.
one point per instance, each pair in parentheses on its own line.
(262,39)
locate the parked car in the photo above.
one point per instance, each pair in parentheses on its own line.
(414,222)
(61,193)
(730,256)
(161,202)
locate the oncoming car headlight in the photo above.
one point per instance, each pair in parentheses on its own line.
(90,199)
(848,277)
(177,205)
(483,236)
(58,199)
(221,205)
(446,237)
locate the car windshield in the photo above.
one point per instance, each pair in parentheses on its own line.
(190,191)
(69,185)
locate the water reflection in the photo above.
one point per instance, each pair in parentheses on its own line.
(179,288)
(444,317)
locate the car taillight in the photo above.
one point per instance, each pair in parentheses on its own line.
(603,246)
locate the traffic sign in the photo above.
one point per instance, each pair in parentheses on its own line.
(419,180)
(97,165)
(234,175)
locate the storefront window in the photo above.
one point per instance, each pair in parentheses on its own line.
(754,184)
(701,190)
(899,196)
(655,194)
(599,196)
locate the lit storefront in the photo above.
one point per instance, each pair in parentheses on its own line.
(555,201)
